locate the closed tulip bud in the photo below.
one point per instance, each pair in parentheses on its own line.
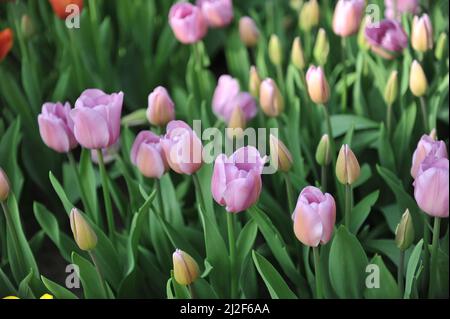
(318,88)
(404,233)
(248,31)
(270,98)
(347,17)
(254,82)
(148,156)
(391,89)
(323,153)
(6,42)
(61,7)
(418,83)
(280,154)
(275,51)
(4,186)
(309,15)
(297,56)
(218,13)
(185,268)
(188,23)
(82,232)
(321,47)
(422,33)
(237,123)
(362,41)
(314,217)
(441,46)
(347,166)
(27,26)
(160,109)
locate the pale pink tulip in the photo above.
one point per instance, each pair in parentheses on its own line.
(161,109)
(314,217)
(187,22)
(427,146)
(148,156)
(96,118)
(347,17)
(56,127)
(236,181)
(218,13)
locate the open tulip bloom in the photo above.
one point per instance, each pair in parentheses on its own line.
(203,149)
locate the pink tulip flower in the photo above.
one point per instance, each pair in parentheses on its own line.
(314,217)
(347,17)
(427,146)
(318,87)
(187,22)
(227,97)
(386,38)
(395,8)
(56,127)
(182,148)
(160,110)
(96,118)
(148,156)
(236,181)
(431,186)
(218,13)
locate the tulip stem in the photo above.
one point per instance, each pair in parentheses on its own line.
(290,192)
(317,273)
(198,190)
(280,77)
(328,121)
(191,291)
(348,205)
(232,248)
(323,180)
(434,256)
(400,271)
(83,196)
(426,255)
(344,71)
(97,268)
(389,118)
(423,107)
(160,198)
(106,194)
(14,237)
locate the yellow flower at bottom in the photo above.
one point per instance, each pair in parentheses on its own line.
(44,296)
(11,297)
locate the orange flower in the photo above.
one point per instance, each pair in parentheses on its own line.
(59,7)
(6,42)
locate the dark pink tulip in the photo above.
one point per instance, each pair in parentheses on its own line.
(218,13)
(395,8)
(431,186)
(161,109)
(148,156)
(427,146)
(97,118)
(187,22)
(386,38)
(347,17)
(236,181)
(56,127)
(182,148)
(227,97)
(314,217)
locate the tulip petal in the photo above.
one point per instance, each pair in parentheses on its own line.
(91,129)
(307,225)
(53,133)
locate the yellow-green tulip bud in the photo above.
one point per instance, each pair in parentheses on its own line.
(185,268)
(323,153)
(280,154)
(441,46)
(297,56)
(362,41)
(275,51)
(321,47)
(254,82)
(82,232)
(4,186)
(309,15)
(422,33)
(391,89)
(404,233)
(418,83)
(27,26)
(237,123)
(347,166)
